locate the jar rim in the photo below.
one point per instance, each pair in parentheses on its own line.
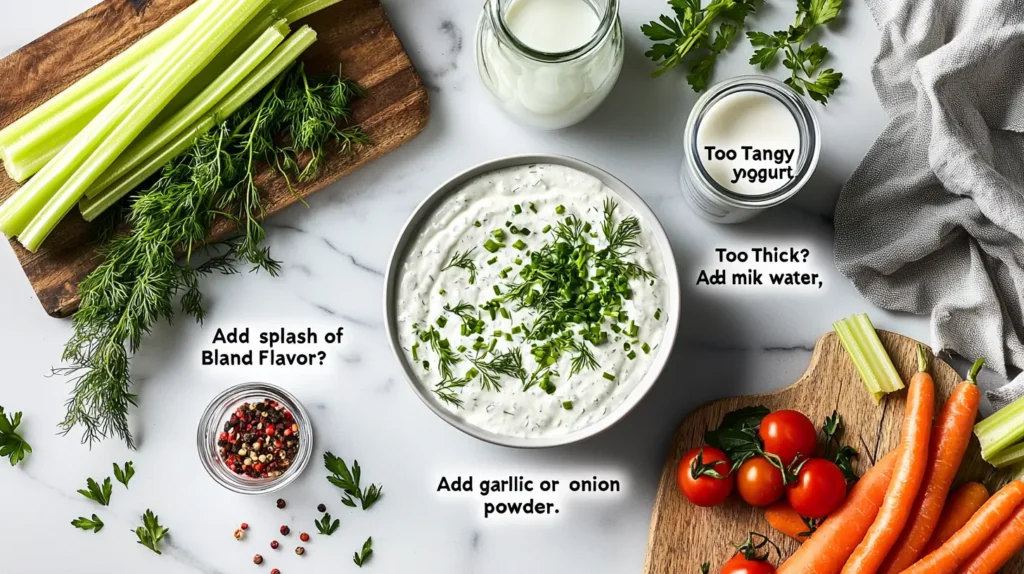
(803,115)
(604,30)
(219,410)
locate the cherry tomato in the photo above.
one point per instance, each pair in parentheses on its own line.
(819,489)
(787,434)
(697,480)
(759,482)
(740,564)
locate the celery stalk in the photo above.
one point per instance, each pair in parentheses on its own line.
(78,104)
(1008,457)
(275,65)
(303,8)
(1000,431)
(140,103)
(861,342)
(155,140)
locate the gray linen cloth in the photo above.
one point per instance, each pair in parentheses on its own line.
(932,221)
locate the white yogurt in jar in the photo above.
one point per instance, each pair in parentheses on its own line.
(550,63)
(546,195)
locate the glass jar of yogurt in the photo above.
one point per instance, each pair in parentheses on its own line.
(550,63)
(751,143)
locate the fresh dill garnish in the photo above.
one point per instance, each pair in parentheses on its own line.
(446,390)
(135,286)
(507,364)
(463,260)
(446,357)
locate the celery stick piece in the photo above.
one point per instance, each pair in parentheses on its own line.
(157,138)
(275,65)
(303,8)
(65,111)
(1008,457)
(143,100)
(1001,430)
(861,342)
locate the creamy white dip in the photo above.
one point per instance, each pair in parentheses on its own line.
(491,200)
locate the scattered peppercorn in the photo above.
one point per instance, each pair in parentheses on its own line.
(245,526)
(321,507)
(274,544)
(285,530)
(239,534)
(300,550)
(281,503)
(260,440)
(304,537)
(275,571)
(257,559)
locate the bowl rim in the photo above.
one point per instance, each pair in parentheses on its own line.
(427,207)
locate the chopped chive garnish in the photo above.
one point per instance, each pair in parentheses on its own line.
(631,355)
(497,290)
(492,260)
(567,405)
(441,322)
(508,337)
(518,261)
(472,373)
(633,329)
(525,231)
(508,224)
(615,328)
(498,333)
(494,343)
(519,244)
(646,348)
(586,227)
(608,376)
(514,230)
(492,246)
(442,293)
(415,353)
(462,348)
(533,207)
(517,209)
(504,313)
(560,209)
(625,346)
(426,365)
(657,315)
(499,234)
(477,224)
(516,330)
(546,229)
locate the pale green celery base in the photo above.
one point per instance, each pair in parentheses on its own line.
(139,103)
(302,8)
(1008,457)
(275,65)
(1001,430)
(860,339)
(159,136)
(112,71)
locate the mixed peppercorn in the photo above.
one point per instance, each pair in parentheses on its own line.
(260,440)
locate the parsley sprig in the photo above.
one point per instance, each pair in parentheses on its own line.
(692,31)
(97,493)
(125,475)
(804,63)
(151,533)
(94,523)
(12,445)
(325,526)
(364,554)
(348,481)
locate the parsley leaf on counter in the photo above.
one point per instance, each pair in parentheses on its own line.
(348,481)
(123,476)
(804,63)
(151,533)
(94,523)
(12,445)
(325,526)
(97,493)
(363,555)
(692,32)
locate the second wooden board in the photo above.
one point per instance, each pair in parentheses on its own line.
(683,535)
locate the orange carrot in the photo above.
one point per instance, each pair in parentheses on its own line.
(950,437)
(911,463)
(960,507)
(833,542)
(1009,540)
(783,518)
(976,533)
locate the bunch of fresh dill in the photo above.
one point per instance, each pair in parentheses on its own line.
(289,126)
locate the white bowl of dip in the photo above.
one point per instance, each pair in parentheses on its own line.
(547,189)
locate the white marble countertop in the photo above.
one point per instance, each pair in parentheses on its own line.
(335,253)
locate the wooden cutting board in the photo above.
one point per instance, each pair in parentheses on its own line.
(354,33)
(683,535)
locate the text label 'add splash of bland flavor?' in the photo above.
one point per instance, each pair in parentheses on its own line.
(529,497)
(790,269)
(271,347)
